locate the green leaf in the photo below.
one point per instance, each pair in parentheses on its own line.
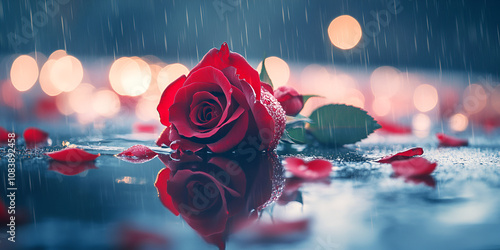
(339,124)
(296,135)
(306,97)
(264,76)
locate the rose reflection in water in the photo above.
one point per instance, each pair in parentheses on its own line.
(215,195)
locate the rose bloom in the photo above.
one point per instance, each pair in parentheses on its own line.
(218,105)
(291,101)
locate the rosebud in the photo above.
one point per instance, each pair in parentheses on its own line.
(291,101)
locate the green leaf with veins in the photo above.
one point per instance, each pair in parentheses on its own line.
(338,124)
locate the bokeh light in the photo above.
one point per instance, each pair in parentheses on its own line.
(385,81)
(130,76)
(79,98)
(354,98)
(24,72)
(66,73)
(11,96)
(170,73)
(106,103)
(45,80)
(62,103)
(425,98)
(421,124)
(381,106)
(58,54)
(145,109)
(475,99)
(458,122)
(345,32)
(278,71)
(495,99)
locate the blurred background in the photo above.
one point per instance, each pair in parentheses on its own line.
(404,61)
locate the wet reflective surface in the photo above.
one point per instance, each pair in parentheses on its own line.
(234,202)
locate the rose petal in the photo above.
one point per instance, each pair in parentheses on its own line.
(233,138)
(163,139)
(72,155)
(392,128)
(449,141)
(402,155)
(223,58)
(161,186)
(413,167)
(315,169)
(167,99)
(4,135)
(34,135)
(71,168)
(137,154)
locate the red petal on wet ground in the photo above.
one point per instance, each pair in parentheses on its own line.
(131,238)
(33,135)
(450,141)
(315,169)
(72,155)
(137,154)
(402,155)
(4,135)
(392,128)
(71,168)
(416,166)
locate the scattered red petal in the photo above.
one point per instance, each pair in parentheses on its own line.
(72,155)
(315,169)
(402,155)
(137,154)
(33,136)
(413,167)
(392,128)
(4,215)
(71,168)
(449,141)
(4,135)
(422,179)
(131,238)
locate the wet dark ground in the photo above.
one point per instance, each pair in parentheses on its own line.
(362,206)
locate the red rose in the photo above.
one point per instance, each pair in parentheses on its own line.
(218,105)
(291,101)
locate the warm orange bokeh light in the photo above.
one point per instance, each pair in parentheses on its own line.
(66,73)
(130,76)
(62,103)
(475,98)
(24,72)
(345,32)
(421,125)
(106,103)
(425,98)
(385,81)
(58,54)
(146,109)
(79,98)
(278,71)
(170,73)
(458,122)
(45,80)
